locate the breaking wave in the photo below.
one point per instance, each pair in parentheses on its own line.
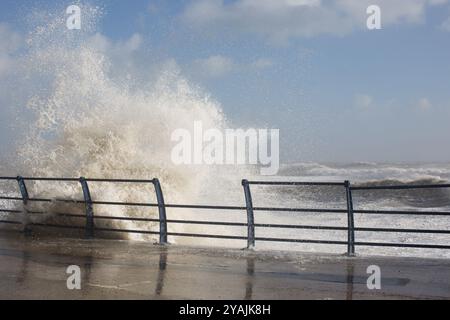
(85,122)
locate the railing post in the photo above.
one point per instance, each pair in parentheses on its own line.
(89,208)
(250,215)
(162,212)
(25,198)
(350,220)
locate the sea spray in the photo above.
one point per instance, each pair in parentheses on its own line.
(84,122)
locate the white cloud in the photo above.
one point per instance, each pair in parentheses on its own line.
(424,104)
(362,101)
(280,20)
(214,66)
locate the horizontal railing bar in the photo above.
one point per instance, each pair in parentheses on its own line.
(126,230)
(51,200)
(119,230)
(56,226)
(131,204)
(400,212)
(401,245)
(430,213)
(185,206)
(403,187)
(295,183)
(112,203)
(11,198)
(300,210)
(137,204)
(97,229)
(78,179)
(302,241)
(69,215)
(198,235)
(403,230)
(122,180)
(33,212)
(82,216)
(100,217)
(10,222)
(125,218)
(288,226)
(281,183)
(217,223)
(51,179)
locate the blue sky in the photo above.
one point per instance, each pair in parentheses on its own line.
(336,90)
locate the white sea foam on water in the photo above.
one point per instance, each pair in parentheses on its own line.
(367,171)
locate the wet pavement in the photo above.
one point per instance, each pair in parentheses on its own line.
(35,268)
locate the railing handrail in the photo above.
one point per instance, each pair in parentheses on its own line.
(403,187)
(251,182)
(78,179)
(296,183)
(249,208)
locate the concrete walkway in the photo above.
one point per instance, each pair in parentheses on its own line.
(35,268)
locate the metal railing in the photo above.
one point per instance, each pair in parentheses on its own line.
(249,208)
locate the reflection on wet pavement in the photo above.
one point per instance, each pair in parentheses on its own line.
(34,268)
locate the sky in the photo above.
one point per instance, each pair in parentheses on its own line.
(337,91)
